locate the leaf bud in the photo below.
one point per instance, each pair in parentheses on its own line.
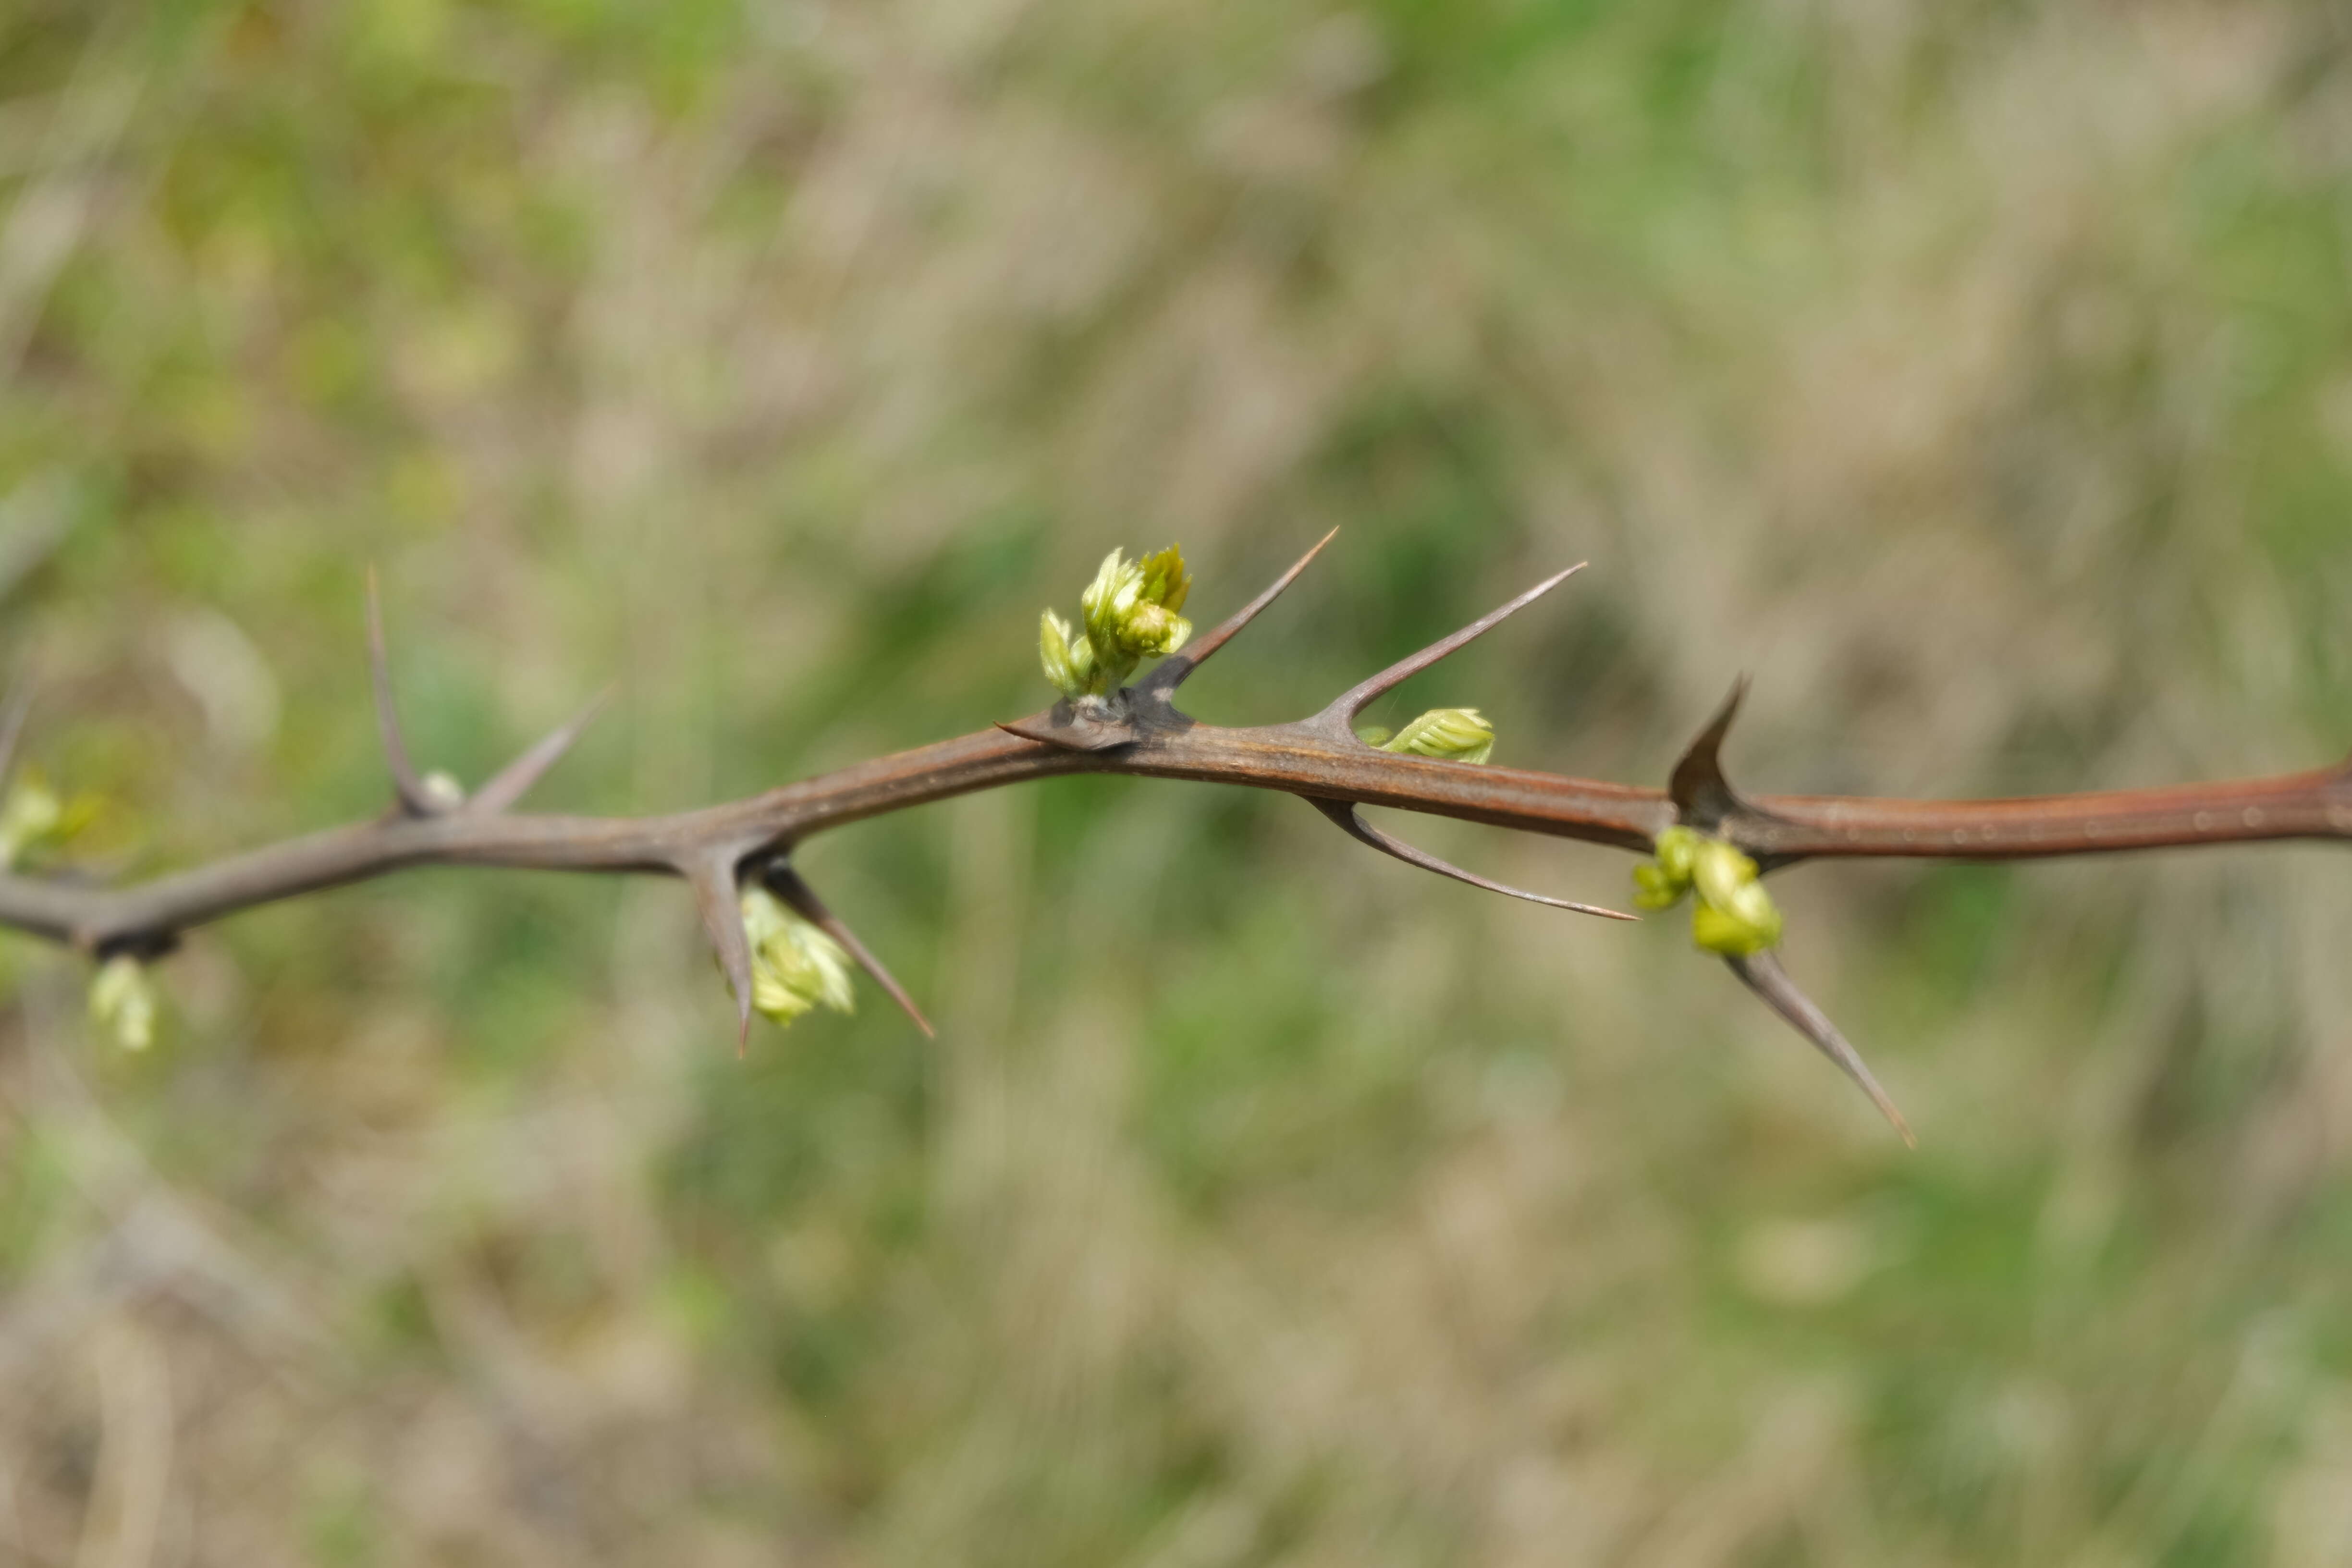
(1448,734)
(122,1001)
(1734,915)
(35,821)
(796,967)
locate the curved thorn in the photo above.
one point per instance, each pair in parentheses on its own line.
(711,875)
(1173,671)
(12,724)
(1354,699)
(1701,793)
(514,781)
(1762,973)
(788,885)
(413,798)
(1349,816)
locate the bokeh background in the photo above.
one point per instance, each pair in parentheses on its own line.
(1978,376)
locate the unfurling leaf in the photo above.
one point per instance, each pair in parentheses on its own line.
(796,967)
(1448,734)
(1053,653)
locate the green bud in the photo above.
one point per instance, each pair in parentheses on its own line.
(1166,581)
(1678,854)
(122,1001)
(1654,889)
(31,814)
(796,967)
(1662,881)
(1449,734)
(1082,664)
(1734,915)
(1130,610)
(1737,935)
(1375,734)
(1053,653)
(35,821)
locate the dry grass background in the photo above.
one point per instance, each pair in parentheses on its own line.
(1978,375)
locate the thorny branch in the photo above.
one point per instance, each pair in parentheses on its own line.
(1139,729)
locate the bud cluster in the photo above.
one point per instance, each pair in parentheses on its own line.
(1734,915)
(796,967)
(1128,614)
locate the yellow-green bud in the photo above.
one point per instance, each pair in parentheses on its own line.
(1449,734)
(122,1001)
(1130,610)
(33,820)
(1734,915)
(31,814)
(796,967)
(1737,934)
(1053,653)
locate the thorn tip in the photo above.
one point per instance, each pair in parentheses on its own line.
(1177,667)
(515,780)
(1344,709)
(1703,796)
(788,884)
(1762,973)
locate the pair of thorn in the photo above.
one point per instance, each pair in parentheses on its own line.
(713,872)
(1702,797)
(437,795)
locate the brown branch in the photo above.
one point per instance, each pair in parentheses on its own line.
(1141,732)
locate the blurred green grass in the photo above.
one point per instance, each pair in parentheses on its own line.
(1976,374)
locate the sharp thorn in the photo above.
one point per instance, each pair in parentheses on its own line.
(1057,727)
(788,885)
(515,780)
(1173,671)
(12,724)
(712,877)
(1701,793)
(1354,700)
(1762,973)
(1349,818)
(415,800)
